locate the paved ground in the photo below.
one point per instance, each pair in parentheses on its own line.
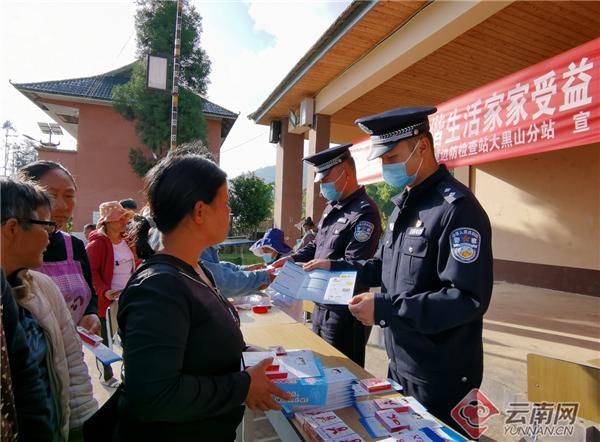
(523,320)
(520,320)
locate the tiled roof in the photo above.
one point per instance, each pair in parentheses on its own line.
(100,87)
(214,109)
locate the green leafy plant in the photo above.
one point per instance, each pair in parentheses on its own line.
(382,194)
(150,110)
(251,201)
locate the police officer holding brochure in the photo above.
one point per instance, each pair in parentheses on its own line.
(349,229)
(434,267)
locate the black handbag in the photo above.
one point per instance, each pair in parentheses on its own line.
(101,426)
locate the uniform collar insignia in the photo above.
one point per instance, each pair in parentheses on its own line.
(358,193)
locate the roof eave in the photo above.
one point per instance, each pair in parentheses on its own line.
(220,116)
(345,22)
(55,96)
(85,100)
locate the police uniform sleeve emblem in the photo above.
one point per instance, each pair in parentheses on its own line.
(465,244)
(363,231)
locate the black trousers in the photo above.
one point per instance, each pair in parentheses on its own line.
(339,328)
(439,395)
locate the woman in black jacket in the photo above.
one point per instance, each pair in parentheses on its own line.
(182,342)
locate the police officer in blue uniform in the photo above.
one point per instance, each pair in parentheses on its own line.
(434,266)
(349,229)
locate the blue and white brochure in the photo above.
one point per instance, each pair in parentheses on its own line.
(326,287)
(305,391)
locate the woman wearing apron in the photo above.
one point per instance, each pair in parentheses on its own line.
(65,259)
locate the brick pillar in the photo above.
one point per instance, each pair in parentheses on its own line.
(288,183)
(318,140)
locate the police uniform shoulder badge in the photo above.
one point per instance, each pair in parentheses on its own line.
(465,244)
(363,231)
(450,192)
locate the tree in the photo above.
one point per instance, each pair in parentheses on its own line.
(194,148)
(7,127)
(382,194)
(151,110)
(16,153)
(251,202)
(24,152)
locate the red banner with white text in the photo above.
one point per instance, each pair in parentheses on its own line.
(548,106)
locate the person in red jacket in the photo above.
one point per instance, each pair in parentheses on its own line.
(112,263)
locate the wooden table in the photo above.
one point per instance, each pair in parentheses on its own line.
(295,336)
(275,316)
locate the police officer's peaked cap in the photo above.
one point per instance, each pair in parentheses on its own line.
(325,160)
(388,128)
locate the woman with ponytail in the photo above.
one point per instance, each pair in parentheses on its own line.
(182,342)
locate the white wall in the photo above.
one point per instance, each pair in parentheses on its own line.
(545,208)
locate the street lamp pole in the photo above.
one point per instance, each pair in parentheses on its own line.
(176,69)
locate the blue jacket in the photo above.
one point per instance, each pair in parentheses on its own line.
(32,404)
(230,278)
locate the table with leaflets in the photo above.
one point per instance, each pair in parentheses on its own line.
(276,328)
(249,319)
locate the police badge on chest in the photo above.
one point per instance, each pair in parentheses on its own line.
(417,230)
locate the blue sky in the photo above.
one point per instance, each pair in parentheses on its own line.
(242,33)
(252,45)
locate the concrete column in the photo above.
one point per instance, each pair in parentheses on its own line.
(288,183)
(463,175)
(318,140)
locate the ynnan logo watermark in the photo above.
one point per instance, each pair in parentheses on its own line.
(473,412)
(547,419)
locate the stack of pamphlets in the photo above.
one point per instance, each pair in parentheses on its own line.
(368,408)
(298,372)
(339,381)
(293,364)
(372,386)
(326,426)
(402,417)
(424,435)
(443,434)
(312,386)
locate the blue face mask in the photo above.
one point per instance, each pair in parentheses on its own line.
(268,258)
(329,191)
(395,174)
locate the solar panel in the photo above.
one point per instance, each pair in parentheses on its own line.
(55,128)
(45,128)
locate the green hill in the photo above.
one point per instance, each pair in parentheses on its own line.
(267,173)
